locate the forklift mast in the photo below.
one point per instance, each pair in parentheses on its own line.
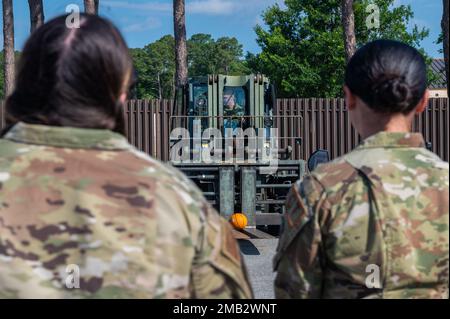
(220,102)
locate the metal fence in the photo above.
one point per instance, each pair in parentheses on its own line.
(325,124)
(304,124)
(147,126)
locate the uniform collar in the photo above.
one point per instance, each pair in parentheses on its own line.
(393,140)
(67,137)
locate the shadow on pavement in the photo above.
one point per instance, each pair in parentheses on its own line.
(247,247)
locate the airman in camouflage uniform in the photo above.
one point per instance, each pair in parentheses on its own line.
(135,228)
(371,224)
(234,112)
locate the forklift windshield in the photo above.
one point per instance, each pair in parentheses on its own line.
(234,106)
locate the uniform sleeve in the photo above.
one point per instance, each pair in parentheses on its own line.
(299,257)
(219,270)
(241,111)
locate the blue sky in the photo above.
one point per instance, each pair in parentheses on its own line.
(144,21)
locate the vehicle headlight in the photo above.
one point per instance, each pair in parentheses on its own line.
(267,147)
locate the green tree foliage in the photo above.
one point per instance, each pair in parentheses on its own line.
(207,56)
(201,59)
(155,69)
(155,63)
(228,53)
(302,46)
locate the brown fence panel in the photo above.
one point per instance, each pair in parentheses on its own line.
(320,123)
(433,124)
(325,124)
(147,126)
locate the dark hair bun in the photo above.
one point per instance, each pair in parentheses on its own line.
(392,95)
(389,76)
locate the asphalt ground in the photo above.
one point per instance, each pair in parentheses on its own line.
(258,254)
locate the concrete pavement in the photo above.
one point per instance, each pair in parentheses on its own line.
(258,254)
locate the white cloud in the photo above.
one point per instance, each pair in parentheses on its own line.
(146,6)
(147,24)
(420,23)
(203,7)
(211,7)
(259,20)
(229,7)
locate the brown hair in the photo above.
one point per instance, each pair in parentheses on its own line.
(72,76)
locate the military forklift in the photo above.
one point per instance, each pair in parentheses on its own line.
(239,110)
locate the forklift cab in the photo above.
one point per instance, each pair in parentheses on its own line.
(240,178)
(223,101)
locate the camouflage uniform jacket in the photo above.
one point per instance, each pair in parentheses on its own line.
(135,228)
(371,224)
(233,118)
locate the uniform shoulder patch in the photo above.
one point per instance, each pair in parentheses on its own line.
(302,203)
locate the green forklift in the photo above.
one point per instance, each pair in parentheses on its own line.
(225,137)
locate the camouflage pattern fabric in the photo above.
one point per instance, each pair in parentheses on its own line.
(135,227)
(233,118)
(371,224)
